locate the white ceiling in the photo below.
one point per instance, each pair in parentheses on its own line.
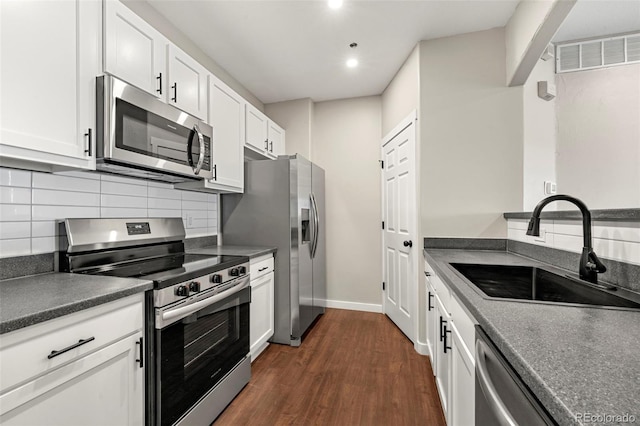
(283,50)
(597,18)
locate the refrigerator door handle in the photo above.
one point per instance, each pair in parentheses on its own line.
(312,225)
(316,226)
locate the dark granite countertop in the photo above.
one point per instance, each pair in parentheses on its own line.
(33,299)
(608,215)
(574,359)
(251,251)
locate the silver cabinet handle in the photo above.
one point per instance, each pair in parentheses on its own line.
(489,390)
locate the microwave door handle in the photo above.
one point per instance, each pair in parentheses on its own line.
(198,166)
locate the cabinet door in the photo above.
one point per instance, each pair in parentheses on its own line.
(462,400)
(50,55)
(256,129)
(105,387)
(134,51)
(276,139)
(226,116)
(444,358)
(187,83)
(261,314)
(432,325)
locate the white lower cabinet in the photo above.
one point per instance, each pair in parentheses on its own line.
(451,338)
(85,368)
(261,323)
(443,366)
(462,392)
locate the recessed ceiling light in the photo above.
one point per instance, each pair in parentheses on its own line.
(335,4)
(352,63)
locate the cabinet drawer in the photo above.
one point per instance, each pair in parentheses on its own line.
(442,291)
(24,353)
(261,266)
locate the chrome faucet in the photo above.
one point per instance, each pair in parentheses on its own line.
(590,265)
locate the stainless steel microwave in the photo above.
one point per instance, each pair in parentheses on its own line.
(139,135)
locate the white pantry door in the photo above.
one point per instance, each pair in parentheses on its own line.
(400,243)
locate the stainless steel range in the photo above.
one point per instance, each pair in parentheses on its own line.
(197,315)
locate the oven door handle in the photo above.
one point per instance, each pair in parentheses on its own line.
(172,315)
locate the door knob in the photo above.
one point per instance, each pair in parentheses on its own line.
(408,243)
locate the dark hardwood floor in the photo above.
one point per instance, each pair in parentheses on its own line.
(353,368)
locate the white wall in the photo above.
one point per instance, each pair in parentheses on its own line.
(346,143)
(31,202)
(471,131)
(297,118)
(402,95)
(143,9)
(599,136)
(539,144)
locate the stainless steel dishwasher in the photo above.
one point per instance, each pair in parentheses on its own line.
(501,396)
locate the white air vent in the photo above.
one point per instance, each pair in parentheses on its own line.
(591,54)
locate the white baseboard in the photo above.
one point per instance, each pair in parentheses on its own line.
(421,347)
(353,306)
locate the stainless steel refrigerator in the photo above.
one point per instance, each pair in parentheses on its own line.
(283,205)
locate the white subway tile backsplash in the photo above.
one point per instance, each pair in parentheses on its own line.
(43,229)
(194,196)
(17,247)
(83,175)
(32,202)
(197,232)
(15,178)
(162,192)
(164,203)
(43,245)
(65,183)
(164,213)
(122,212)
(65,198)
(15,212)
(117,188)
(195,205)
(62,212)
(123,179)
(14,230)
(10,195)
(122,201)
(612,240)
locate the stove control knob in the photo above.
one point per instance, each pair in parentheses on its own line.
(234,272)
(194,286)
(242,270)
(216,278)
(182,290)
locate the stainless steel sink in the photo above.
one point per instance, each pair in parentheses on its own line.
(536,284)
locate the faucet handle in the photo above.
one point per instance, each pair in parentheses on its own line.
(595,264)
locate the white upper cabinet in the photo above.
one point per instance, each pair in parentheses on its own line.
(134,51)
(140,55)
(50,53)
(256,129)
(187,83)
(276,139)
(226,116)
(263,135)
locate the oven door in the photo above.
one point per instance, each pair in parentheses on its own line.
(142,131)
(194,352)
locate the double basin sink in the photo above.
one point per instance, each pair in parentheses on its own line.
(530,283)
